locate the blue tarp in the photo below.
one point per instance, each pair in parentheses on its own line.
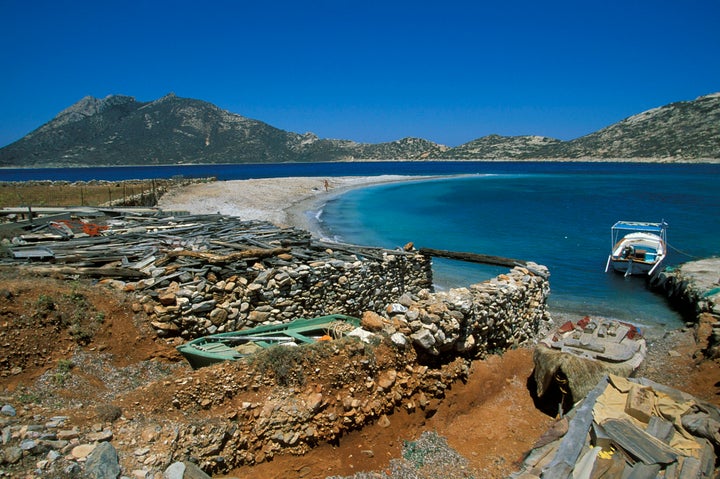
(656,228)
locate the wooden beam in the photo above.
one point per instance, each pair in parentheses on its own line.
(473,257)
(572,443)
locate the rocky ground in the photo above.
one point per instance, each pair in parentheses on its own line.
(78,363)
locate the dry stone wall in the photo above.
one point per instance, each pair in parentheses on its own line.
(490,316)
(205,302)
(693,289)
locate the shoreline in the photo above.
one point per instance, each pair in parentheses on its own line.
(295,202)
(302,212)
(286,201)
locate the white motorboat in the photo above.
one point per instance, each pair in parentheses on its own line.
(638,248)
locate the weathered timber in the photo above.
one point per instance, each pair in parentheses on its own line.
(572,444)
(644,471)
(639,443)
(473,257)
(661,428)
(707,459)
(690,468)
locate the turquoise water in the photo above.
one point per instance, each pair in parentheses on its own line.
(556,218)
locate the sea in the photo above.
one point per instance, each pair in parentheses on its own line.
(557,214)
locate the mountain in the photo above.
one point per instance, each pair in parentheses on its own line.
(118,130)
(496,147)
(682,131)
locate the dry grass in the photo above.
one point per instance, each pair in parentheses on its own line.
(57,193)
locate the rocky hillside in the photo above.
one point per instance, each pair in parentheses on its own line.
(496,147)
(118,130)
(682,131)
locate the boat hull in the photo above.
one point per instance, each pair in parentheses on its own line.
(638,253)
(629,267)
(231,346)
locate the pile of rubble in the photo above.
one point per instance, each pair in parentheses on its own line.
(629,428)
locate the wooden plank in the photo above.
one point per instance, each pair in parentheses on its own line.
(661,428)
(672,471)
(638,443)
(239,255)
(644,471)
(571,445)
(707,458)
(473,257)
(690,468)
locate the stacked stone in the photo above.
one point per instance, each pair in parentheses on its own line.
(206,303)
(693,288)
(459,324)
(492,316)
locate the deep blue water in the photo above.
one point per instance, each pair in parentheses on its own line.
(556,214)
(277,170)
(246,171)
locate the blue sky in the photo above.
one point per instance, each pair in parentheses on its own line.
(369,71)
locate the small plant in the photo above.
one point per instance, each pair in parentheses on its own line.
(285,362)
(62,371)
(28,397)
(80,333)
(77,298)
(44,304)
(64,365)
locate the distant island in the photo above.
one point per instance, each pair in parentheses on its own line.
(119,130)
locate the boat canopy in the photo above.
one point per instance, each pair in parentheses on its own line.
(655,228)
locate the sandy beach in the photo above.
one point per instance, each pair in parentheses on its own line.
(282,201)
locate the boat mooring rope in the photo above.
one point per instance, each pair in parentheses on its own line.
(682,252)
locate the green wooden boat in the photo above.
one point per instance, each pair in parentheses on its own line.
(234,345)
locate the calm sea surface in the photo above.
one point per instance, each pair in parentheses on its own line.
(556,214)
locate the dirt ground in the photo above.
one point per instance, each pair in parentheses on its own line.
(490,419)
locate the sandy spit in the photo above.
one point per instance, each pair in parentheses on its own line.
(282,201)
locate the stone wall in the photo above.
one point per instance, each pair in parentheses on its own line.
(489,316)
(207,301)
(694,289)
(369,383)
